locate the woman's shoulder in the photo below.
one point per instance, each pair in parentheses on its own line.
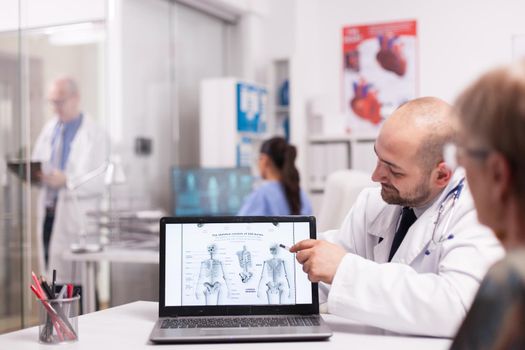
(265,190)
(510,268)
(504,281)
(270,187)
(498,298)
(306,205)
(260,200)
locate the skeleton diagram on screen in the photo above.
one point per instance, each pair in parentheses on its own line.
(274,276)
(245,261)
(209,281)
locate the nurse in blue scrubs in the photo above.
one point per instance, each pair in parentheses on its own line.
(280,193)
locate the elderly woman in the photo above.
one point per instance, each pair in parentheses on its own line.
(491,116)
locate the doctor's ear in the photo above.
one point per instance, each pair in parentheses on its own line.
(441,174)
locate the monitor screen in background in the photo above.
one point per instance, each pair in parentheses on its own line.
(210,191)
(235,264)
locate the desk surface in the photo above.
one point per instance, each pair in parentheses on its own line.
(128,327)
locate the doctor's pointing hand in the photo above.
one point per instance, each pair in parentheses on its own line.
(320,259)
(410,254)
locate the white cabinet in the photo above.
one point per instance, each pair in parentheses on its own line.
(329,153)
(233,122)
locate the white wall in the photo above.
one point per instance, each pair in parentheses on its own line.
(279,22)
(457,41)
(145,75)
(199,53)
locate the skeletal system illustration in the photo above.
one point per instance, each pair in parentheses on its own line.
(210,274)
(275,277)
(212,281)
(245,261)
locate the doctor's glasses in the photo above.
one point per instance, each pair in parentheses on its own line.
(454,154)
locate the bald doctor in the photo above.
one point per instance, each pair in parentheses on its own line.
(410,254)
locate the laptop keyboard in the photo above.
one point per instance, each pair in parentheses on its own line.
(234,322)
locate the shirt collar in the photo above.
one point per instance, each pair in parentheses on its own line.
(74,123)
(420,210)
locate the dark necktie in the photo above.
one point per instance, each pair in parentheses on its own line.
(407,219)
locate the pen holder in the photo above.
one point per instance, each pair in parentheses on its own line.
(58,320)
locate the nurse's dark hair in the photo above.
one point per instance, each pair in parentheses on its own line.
(283,155)
(493,109)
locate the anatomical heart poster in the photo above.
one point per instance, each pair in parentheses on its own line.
(379,72)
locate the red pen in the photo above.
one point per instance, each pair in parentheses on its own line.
(37,284)
(70,290)
(37,293)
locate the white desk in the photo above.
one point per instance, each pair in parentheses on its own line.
(128,327)
(88,263)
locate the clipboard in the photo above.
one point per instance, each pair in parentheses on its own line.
(21,168)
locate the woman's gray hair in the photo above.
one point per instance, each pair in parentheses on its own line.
(493,109)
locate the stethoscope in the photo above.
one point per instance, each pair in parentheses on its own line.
(451,197)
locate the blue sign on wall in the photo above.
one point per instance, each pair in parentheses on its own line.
(251,108)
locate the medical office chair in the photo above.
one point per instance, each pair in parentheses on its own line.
(341,191)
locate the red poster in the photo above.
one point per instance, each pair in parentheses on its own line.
(379,72)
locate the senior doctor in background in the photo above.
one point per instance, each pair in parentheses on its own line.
(71,146)
(410,254)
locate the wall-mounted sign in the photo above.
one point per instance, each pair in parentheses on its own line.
(251,108)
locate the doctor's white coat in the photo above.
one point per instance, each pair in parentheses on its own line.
(427,288)
(89,151)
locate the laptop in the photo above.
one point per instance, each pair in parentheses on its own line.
(227,279)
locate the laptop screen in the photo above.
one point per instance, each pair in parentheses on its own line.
(237,262)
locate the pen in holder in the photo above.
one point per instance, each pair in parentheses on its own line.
(58,320)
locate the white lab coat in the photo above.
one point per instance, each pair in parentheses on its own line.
(416,293)
(88,152)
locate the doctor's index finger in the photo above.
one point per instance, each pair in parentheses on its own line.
(305,244)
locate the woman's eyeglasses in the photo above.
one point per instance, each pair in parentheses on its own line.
(454,154)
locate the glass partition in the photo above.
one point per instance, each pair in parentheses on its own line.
(11,208)
(137,67)
(31,59)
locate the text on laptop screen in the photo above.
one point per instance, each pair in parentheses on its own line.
(235,264)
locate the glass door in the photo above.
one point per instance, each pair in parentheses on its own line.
(32,59)
(11,186)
